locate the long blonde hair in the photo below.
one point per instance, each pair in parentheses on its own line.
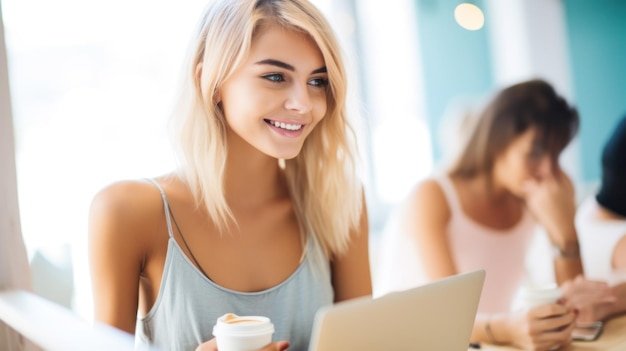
(322,179)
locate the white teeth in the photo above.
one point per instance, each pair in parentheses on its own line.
(286,125)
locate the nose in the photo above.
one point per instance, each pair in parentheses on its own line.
(298,99)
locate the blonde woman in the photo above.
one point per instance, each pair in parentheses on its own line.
(265,215)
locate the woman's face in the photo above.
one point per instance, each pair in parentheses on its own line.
(278,95)
(523,159)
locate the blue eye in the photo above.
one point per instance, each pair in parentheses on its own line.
(318,82)
(274,77)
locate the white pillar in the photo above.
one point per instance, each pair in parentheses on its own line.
(14,269)
(529,40)
(395,97)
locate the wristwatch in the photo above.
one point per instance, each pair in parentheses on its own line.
(570,250)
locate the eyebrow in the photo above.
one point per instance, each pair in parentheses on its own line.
(287,66)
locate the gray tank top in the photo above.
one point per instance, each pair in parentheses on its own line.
(189,303)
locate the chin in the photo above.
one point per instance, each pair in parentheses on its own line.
(285,151)
(287,156)
(284,154)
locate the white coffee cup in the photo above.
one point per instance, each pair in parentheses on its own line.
(242,333)
(537,295)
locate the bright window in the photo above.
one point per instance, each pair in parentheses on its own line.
(91,82)
(91,86)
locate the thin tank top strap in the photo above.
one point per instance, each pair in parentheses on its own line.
(166,206)
(449,192)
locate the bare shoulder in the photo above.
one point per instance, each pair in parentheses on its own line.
(127,198)
(124,208)
(427,199)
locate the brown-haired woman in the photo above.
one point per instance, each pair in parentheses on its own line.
(482,212)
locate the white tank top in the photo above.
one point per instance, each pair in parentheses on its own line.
(501,253)
(597,243)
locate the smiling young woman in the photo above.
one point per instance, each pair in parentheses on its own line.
(276,98)
(265,214)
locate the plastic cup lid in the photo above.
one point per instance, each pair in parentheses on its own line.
(549,292)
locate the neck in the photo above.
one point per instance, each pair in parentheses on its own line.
(604,213)
(492,190)
(251,177)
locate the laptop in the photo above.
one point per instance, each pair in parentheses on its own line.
(436,316)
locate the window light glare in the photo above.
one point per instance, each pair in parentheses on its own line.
(469,16)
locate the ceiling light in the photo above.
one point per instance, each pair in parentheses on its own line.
(469,16)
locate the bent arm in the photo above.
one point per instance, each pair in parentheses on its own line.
(561,228)
(539,328)
(552,203)
(115,259)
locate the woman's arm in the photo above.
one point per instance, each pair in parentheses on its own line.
(552,202)
(115,255)
(424,216)
(351,271)
(540,328)
(619,262)
(594,300)
(597,301)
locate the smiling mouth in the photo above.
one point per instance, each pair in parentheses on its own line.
(282,125)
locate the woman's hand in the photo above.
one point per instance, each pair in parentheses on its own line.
(211,345)
(541,328)
(594,300)
(552,202)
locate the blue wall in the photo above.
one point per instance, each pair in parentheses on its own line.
(597,44)
(455,62)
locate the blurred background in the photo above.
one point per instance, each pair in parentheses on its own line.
(92,81)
